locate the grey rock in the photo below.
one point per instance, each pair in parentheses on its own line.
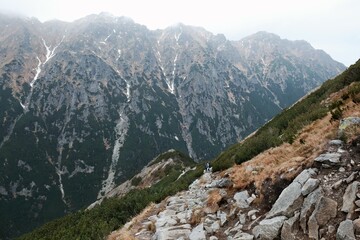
(165,221)
(356,224)
(345,231)
(337,184)
(173,232)
(357,203)
(252,212)
(351,177)
(241,198)
(198,233)
(336,142)
(329,158)
(236,229)
(305,175)
(349,197)
(243,236)
(291,197)
(221,183)
(269,229)
(342,169)
(251,199)
(324,165)
(215,226)
(288,202)
(222,216)
(213,238)
(325,209)
(290,227)
(242,218)
(310,185)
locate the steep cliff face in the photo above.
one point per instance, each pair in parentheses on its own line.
(85,105)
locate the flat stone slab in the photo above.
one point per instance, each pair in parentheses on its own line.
(329,158)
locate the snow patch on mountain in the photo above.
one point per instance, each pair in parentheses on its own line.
(121,130)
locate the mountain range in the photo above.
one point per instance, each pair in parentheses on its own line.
(85,105)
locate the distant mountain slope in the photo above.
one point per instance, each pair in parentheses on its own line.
(214,204)
(85,105)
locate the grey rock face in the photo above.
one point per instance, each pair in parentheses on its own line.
(291,198)
(345,231)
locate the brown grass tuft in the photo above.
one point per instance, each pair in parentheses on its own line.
(151,227)
(196,216)
(212,202)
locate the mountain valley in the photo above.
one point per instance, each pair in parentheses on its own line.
(86,105)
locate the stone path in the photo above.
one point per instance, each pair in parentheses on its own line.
(322,202)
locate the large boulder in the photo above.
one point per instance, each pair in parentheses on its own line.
(308,206)
(345,231)
(269,229)
(325,209)
(291,198)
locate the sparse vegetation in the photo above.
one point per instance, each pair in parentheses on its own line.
(113,213)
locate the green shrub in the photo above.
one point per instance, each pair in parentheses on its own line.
(136,181)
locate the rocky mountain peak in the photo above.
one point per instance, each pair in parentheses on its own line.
(93,101)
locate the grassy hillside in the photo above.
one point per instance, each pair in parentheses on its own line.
(284,128)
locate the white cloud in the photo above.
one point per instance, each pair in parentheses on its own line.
(327,24)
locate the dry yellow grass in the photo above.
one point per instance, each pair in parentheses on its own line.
(213,199)
(287,160)
(123,235)
(128,231)
(196,216)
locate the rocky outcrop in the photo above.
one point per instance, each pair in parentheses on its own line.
(308,208)
(291,198)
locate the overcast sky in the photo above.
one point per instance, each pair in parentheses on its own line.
(331,25)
